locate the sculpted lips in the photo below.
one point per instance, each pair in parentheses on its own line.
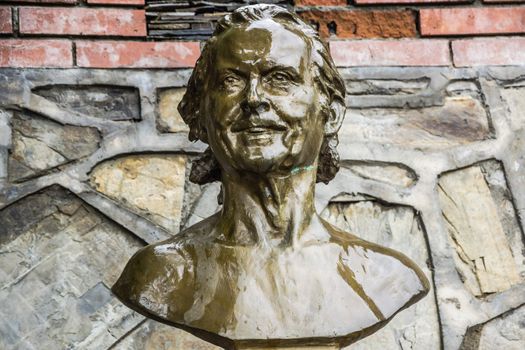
(258,126)
(258,132)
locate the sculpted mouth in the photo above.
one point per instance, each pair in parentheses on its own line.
(261,130)
(257,128)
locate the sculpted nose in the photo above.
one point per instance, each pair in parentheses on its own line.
(255,101)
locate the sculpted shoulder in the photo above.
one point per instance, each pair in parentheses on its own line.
(161,274)
(387,279)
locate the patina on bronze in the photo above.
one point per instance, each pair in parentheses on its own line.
(267,271)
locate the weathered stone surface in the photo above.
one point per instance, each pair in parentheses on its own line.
(396,227)
(482,224)
(386,86)
(397,175)
(40,144)
(515,99)
(460,88)
(54,275)
(516,170)
(505,332)
(3,164)
(153,335)
(107,102)
(27,212)
(5,130)
(461,120)
(169,118)
(5,143)
(151,185)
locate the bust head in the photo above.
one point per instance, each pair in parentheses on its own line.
(266,96)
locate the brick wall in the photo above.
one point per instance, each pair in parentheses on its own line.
(95,159)
(114,33)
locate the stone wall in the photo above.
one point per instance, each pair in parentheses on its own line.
(94,160)
(90,172)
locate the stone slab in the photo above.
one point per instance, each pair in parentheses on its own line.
(55,274)
(462,120)
(151,185)
(482,227)
(169,118)
(99,101)
(40,144)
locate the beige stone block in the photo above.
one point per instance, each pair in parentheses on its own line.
(150,185)
(484,257)
(170,119)
(35,153)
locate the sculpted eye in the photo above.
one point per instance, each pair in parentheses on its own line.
(279,77)
(279,80)
(231,82)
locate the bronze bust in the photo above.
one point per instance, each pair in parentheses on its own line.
(267,270)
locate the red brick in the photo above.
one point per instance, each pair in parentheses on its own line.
(129,54)
(49,1)
(461,21)
(364,24)
(489,51)
(82,21)
(372,2)
(35,53)
(321,2)
(6,24)
(410,52)
(117,2)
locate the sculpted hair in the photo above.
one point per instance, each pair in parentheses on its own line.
(206,168)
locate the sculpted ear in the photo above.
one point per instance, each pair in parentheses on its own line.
(336,116)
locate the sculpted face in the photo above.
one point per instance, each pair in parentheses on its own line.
(263,109)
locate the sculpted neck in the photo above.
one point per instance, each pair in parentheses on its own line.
(272,210)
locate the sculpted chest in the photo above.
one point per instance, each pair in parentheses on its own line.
(317,291)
